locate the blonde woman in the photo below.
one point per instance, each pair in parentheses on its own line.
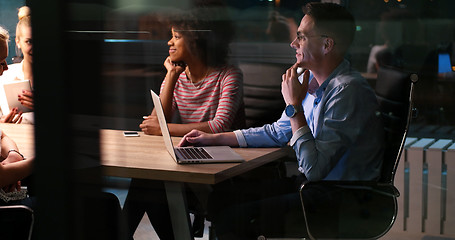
(23,70)
(13,116)
(13,165)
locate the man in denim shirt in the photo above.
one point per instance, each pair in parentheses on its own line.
(330,119)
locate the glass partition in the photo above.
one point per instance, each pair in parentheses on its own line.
(96,62)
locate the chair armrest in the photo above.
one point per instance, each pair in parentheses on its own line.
(16,222)
(384,188)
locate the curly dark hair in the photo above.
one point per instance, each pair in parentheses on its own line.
(209,32)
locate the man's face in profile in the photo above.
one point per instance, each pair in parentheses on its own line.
(309,44)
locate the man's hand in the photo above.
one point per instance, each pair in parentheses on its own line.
(293,91)
(151,125)
(26,99)
(197,138)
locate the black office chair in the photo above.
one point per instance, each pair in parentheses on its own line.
(16,222)
(365,209)
(360,209)
(262,92)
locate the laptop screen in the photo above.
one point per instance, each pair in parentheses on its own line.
(444,64)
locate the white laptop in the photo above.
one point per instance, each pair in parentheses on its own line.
(207,154)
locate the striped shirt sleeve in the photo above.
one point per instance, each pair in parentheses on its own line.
(229,102)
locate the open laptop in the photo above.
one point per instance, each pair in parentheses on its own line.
(208,154)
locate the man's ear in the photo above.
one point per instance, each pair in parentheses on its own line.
(329,44)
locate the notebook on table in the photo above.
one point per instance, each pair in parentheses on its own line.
(207,154)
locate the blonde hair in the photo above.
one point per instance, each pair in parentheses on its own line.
(24,16)
(4,35)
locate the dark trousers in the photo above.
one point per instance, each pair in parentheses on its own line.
(148,196)
(245,208)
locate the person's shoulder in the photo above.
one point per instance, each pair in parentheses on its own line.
(229,68)
(12,73)
(351,80)
(348,75)
(230,71)
(14,67)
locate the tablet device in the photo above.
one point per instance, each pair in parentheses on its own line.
(12,91)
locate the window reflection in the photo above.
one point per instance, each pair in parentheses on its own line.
(117,49)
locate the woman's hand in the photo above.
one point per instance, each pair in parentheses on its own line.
(26,99)
(12,158)
(151,125)
(14,116)
(12,187)
(173,68)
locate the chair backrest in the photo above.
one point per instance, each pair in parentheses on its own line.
(262,92)
(394,91)
(16,222)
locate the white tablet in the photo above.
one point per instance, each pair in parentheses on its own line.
(12,91)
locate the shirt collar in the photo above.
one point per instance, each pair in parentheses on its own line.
(316,90)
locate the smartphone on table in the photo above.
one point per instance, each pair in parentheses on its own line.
(130,134)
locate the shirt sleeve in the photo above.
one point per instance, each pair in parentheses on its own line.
(240,138)
(299,133)
(230,101)
(276,134)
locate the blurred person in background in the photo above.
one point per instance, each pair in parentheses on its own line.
(14,116)
(23,70)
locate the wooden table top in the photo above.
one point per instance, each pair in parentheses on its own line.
(146,157)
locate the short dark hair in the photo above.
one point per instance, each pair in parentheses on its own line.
(209,31)
(334,21)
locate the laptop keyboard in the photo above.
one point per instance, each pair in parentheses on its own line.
(193,153)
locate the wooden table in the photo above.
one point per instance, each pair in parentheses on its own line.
(146,157)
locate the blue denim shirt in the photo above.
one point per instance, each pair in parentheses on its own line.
(344,137)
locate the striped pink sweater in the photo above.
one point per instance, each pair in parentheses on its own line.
(217,99)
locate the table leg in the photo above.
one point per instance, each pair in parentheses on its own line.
(180,218)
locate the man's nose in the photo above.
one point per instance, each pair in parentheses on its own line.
(293,44)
